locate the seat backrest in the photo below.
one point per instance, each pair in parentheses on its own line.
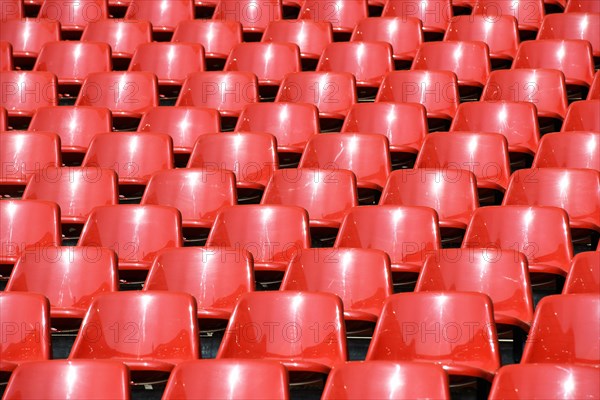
(217,37)
(23,154)
(27,36)
(343,15)
(584,274)
(404,34)
(582,116)
(529,13)
(582,6)
(572,26)
(11,9)
(254,15)
(164,16)
(569,150)
(310,36)
(170,62)
(74,16)
(122,36)
(6,57)
(435,14)
(23,92)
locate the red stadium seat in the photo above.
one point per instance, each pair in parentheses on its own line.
(452,193)
(360,277)
(27,36)
(198,194)
(6,57)
(577,191)
(483,154)
(72,62)
(292,124)
(163,15)
(270,62)
(254,15)
(369,62)
(470,61)
(404,34)
(540,233)
(297,351)
(3,120)
(545,381)
(583,116)
(501,34)
(400,334)
(406,234)
(436,90)
(565,328)
(217,38)
(11,9)
(125,94)
(170,62)
(251,156)
(76,190)
(517,121)
(76,126)
(74,16)
(343,15)
(70,277)
(147,331)
(529,13)
(500,274)
(435,14)
(594,93)
(216,277)
(325,194)
(273,234)
(26,330)
(334,93)
(184,124)
(23,92)
(134,156)
(367,155)
(59,379)
(218,379)
(573,57)
(23,154)
(310,36)
(572,26)
(569,150)
(135,232)
(584,275)
(582,6)
(122,36)
(228,92)
(386,380)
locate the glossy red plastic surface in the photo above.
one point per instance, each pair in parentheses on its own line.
(529,13)
(582,6)
(572,26)
(545,88)
(170,62)
(334,93)
(27,36)
(367,155)
(500,33)
(69,277)
(23,154)
(134,156)
(147,331)
(369,62)
(325,194)
(406,234)
(436,90)
(253,331)
(122,36)
(228,92)
(11,9)
(23,92)
(220,379)
(292,124)
(582,116)
(270,62)
(343,15)
(500,274)
(565,330)
(135,232)
(254,15)
(577,191)
(569,150)
(404,34)
(453,329)
(184,124)
(26,327)
(216,277)
(517,121)
(483,154)
(3,120)
(198,194)
(594,93)
(435,14)
(546,381)
(217,37)
(251,156)
(452,193)
(69,380)
(164,15)
(386,380)
(76,190)
(74,16)
(470,61)
(541,233)
(584,275)
(360,277)
(310,36)
(6,58)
